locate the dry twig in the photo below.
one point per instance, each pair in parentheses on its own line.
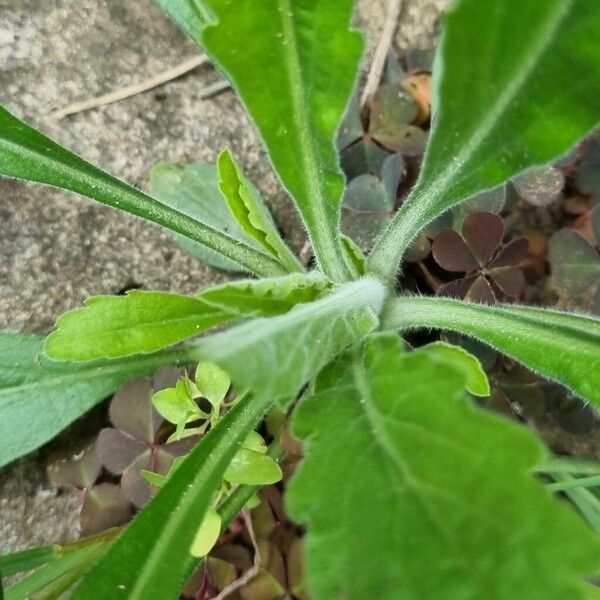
(132,90)
(252,572)
(378,62)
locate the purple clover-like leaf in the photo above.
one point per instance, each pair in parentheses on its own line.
(489,267)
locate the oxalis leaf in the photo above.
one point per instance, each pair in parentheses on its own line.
(27,154)
(309,58)
(410,492)
(39,398)
(250,211)
(511,90)
(274,357)
(142,322)
(561,346)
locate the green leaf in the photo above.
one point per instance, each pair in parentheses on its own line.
(139,322)
(560,346)
(207,534)
(307,60)
(24,560)
(39,398)
(267,297)
(27,154)
(476,380)
(212,382)
(251,212)
(255,442)
(53,571)
(252,468)
(159,540)
(194,191)
(397,492)
(512,90)
(176,405)
(142,322)
(278,355)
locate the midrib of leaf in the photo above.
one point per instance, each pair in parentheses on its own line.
(152,324)
(537,48)
(325,241)
(374,417)
(416,212)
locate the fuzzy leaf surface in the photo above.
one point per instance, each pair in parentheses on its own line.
(251,212)
(274,357)
(308,56)
(561,346)
(142,322)
(511,90)
(398,498)
(39,398)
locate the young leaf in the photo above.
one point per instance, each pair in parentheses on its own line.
(560,346)
(250,211)
(420,517)
(175,405)
(252,468)
(39,398)
(507,99)
(142,322)
(207,534)
(266,297)
(27,154)
(309,58)
(139,322)
(212,382)
(276,356)
(476,381)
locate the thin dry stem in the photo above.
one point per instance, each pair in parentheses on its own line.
(132,90)
(385,42)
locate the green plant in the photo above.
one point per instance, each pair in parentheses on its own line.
(407,490)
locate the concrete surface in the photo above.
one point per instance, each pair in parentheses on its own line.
(56,249)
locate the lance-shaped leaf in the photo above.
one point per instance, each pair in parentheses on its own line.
(560,346)
(512,90)
(397,495)
(27,154)
(143,322)
(39,398)
(295,79)
(274,357)
(250,212)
